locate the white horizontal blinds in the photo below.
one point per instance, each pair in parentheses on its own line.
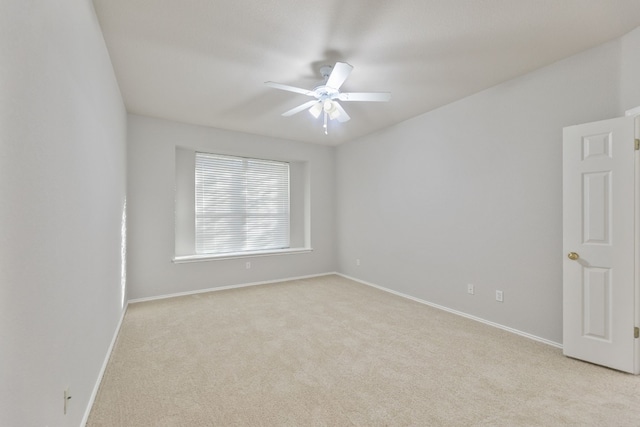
(241,204)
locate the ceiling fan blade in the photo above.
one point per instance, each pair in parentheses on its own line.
(339,74)
(365,96)
(343,116)
(290,88)
(299,108)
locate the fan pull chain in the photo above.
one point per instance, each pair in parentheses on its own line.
(326,130)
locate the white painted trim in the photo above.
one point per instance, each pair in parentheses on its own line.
(223,288)
(459,313)
(632,112)
(180,259)
(94,393)
(636,346)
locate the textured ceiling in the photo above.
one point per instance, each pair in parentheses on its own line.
(205,61)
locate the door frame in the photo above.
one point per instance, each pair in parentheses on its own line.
(635,112)
(636,367)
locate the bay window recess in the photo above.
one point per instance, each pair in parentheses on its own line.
(229,206)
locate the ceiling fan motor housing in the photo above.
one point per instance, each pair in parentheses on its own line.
(323,92)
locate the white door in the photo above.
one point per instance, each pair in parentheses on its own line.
(599,242)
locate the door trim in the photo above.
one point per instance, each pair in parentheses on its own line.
(636,367)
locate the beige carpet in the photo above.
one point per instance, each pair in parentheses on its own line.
(331,352)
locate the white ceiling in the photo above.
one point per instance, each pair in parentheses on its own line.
(205,61)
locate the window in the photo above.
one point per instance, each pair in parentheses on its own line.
(295,221)
(242,204)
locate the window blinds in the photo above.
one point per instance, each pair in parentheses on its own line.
(242,204)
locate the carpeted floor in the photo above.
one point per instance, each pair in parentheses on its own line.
(331,352)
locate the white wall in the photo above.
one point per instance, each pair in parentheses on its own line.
(151,156)
(472,193)
(630,70)
(62,192)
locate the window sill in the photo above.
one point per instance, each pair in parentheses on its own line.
(181,259)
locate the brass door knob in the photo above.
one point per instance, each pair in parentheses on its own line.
(573,256)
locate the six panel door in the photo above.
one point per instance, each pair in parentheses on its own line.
(599,243)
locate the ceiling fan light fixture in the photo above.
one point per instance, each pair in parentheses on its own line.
(331,109)
(316,109)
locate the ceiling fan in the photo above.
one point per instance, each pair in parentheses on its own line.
(327,95)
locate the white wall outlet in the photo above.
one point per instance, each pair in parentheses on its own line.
(499,296)
(471,288)
(67,397)
(247,265)
(358,261)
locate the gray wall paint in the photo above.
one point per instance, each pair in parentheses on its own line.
(63,187)
(630,71)
(152,148)
(472,193)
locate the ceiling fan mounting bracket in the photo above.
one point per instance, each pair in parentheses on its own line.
(325,71)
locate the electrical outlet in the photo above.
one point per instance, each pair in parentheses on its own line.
(67,397)
(247,265)
(471,288)
(499,296)
(358,261)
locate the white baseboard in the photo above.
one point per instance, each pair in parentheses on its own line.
(222,288)
(94,393)
(459,313)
